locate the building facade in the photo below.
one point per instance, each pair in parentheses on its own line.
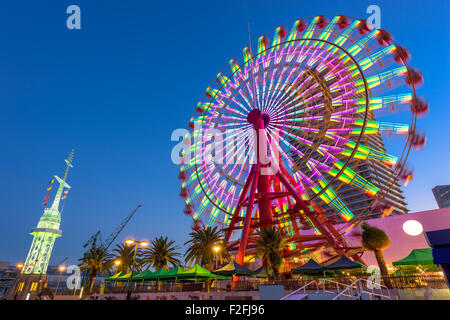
(442,196)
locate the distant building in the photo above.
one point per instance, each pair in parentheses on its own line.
(442,196)
(391,200)
(377,173)
(8,274)
(55,279)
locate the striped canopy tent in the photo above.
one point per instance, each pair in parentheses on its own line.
(114,277)
(127,276)
(416,257)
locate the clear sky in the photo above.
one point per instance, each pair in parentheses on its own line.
(116,89)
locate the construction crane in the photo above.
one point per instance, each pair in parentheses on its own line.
(64,260)
(119,229)
(95,240)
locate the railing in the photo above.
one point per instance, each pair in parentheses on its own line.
(309,284)
(335,284)
(338,286)
(356,293)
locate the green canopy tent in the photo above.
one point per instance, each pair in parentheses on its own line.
(261,273)
(145,275)
(344,263)
(310,267)
(416,257)
(233,269)
(114,277)
(174,273)
(195,272)
(158,274)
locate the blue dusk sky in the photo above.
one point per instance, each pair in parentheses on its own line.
(116,89)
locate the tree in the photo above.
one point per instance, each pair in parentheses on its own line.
(269,246)
(376,240)
(201,246)
(125,254)
(161,253)
(96,260)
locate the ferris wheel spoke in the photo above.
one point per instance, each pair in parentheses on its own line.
(372,127)
(330,197)
(345,35)
(363,152)
(298,139)
(272,90)
(383,77)
(282,89)
(369,61)
(306,109)
(242,135)
(323,36)
(358,46)
(348,176)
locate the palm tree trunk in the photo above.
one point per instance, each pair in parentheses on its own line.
(383,269)
(276,273)
(93,276)
(91,287)
(207,280)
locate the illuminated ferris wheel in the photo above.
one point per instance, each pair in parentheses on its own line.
(295,111)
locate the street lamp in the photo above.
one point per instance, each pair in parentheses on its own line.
(130,242)
(61,270)
(20,269)
(117,263)
(216,250)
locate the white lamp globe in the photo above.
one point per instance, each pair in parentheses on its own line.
(412,227)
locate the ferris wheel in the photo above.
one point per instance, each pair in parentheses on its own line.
(283,126)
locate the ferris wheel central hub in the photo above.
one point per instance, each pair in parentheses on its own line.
(256,114)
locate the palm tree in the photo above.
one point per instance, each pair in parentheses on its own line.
(201,246)
(96,260)
(125,254)
(269,246)
(376,240)
(161,253)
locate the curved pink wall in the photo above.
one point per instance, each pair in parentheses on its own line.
(401,243)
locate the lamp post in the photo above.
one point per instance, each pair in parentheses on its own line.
(19,267)
(117,263)
(216,250)
(61,270)
(130,242)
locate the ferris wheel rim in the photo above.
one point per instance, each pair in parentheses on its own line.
(367,92)
(406,148)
